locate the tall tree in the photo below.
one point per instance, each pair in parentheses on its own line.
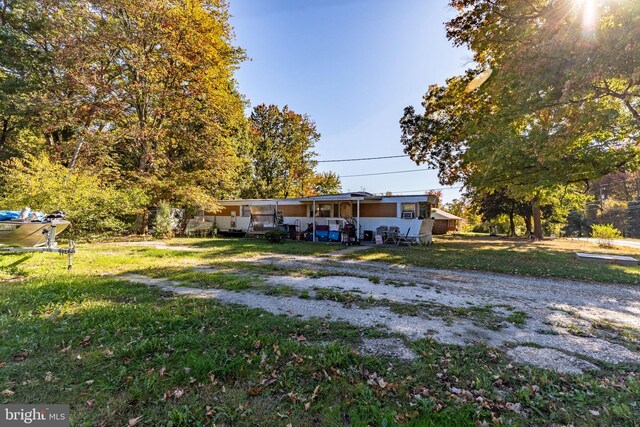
(141,90)
(553,100)
(326,183)
(283,156)
(498,202)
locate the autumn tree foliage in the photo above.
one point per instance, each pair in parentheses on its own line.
(552,102)
(282,157)
(139,92)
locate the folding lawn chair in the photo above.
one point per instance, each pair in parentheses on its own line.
(404,240)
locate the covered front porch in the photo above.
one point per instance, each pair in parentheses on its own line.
(337,213)
(367,215)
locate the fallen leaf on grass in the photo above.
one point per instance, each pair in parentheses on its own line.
(515,407)
(108,353)
(134,421)
(8,392)
(85,341)
(1,365)
(307,406)
(89,382)
(163,372)
(212,378)
(176,393)
(65,350)
(20,357)
(594,413)
(254,391)
(48,377)
(90,403)
(316,392)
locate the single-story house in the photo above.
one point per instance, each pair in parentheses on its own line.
(363,211)
(444,221)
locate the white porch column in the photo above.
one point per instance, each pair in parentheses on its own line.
(314,220)
(358,220)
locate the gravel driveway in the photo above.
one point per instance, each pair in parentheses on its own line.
(564,325)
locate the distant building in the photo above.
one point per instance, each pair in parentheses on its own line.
(444,221)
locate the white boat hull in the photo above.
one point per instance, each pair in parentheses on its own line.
(29,234)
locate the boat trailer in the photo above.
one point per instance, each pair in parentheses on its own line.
(49,246)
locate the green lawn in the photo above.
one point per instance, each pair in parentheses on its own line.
(552,258)
(249,247)
(117,351)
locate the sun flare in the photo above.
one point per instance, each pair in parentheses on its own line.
(588,9)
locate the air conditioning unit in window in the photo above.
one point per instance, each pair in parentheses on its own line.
(407,215)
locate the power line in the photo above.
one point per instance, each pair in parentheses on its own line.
(361,159)
(385,173)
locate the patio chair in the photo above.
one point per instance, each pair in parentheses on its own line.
(404,240)
(392,235)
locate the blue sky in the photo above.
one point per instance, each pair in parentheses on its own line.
(352,66)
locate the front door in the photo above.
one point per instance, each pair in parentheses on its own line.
(346,210)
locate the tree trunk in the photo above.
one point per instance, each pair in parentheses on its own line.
(142,222)
(5,132)
(512,226)
(537,220)
(76,154)
(527,222)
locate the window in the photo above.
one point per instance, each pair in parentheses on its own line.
(424,210)
(323,211)
(246,211)
(408,210)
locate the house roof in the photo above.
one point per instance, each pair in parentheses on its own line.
(352,196)
(440,214)
(362,195)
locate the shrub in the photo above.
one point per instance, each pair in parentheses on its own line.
(93,206)
(275,236)
(163,227)
(605,234)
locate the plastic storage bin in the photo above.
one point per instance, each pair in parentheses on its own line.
(334,236)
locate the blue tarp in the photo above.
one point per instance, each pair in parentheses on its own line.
(7,215)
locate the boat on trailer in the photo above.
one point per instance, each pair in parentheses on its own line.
(25,231)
